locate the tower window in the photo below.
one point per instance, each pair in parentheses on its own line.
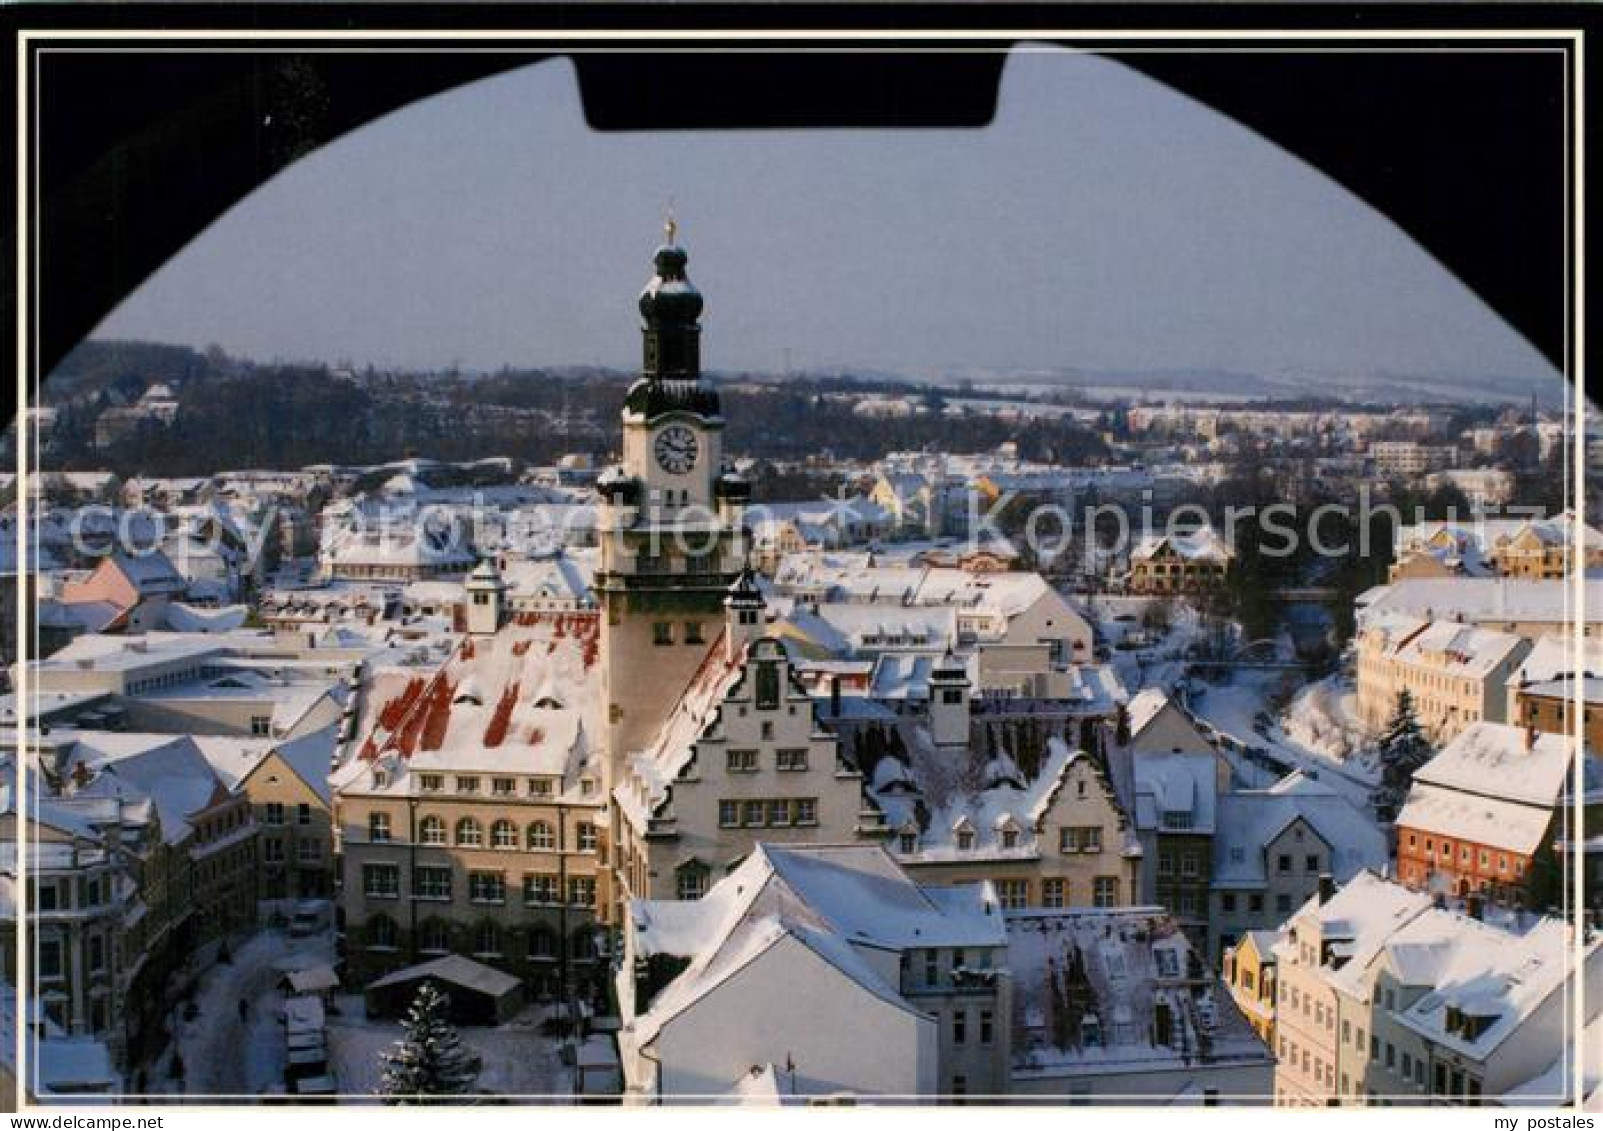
(693,632)
(662,632)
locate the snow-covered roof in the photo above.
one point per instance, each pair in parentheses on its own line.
(1200,545)
(520,701)
(152,573)
(1481,971)
(1552,658)
(310,756)
(1362,915)
(1126,961)
(838,900)
(1175,791)
(841,579)
(1249,820)
(984,807)
(1490,821)
(188,618)
(1462,648)
(1504,761)
(456,970)
(169,771)
(660,762)
(1144,706)
(1476,599)
(1558,1079)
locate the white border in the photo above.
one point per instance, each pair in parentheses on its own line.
(532,41)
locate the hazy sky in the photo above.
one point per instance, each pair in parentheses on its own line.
(1103,221)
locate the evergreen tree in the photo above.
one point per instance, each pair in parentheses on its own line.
(430,1059)
(1403,750)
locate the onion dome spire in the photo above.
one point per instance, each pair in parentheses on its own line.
(671,305)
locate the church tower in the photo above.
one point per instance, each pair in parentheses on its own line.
(669,521)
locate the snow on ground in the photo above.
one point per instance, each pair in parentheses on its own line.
(518,1059)
(1301,738)
(1323,718)
(224,1056)
(1143,656)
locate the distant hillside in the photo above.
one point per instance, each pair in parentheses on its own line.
(234,413)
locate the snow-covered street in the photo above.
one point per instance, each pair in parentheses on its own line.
(223,1055)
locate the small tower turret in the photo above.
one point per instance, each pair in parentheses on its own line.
(486,598)
(949,713)
(745,609)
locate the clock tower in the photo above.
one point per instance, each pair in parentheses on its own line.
(669,522)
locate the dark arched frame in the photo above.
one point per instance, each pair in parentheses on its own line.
(1464,149)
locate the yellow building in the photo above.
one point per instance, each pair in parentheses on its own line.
(1456,673)
(470,812)
(289,794)
(1179,563)
(1249,973)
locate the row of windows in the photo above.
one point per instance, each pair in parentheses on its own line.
(1087,839)
(166,679)
(1445,852)
(306,851)
(540,835)
(747,761)
(1228,902)
(471,784)
(960,1027)
(273,813)
(56,894)
(1189,865)
(959,961)
(768,813)
(662,632)
(1402,1064)
(1056,892)
(1323,1073)
(489,939)
(234,817)
(383,881)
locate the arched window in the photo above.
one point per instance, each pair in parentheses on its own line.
(504,834)
(433,937)
(540,836)
(381,933)
(468,833)
(431,830)
(487,939)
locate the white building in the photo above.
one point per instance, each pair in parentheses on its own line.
(827,963)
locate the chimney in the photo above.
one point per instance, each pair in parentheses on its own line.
(1327,887)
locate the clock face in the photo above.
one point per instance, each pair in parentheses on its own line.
(675,449)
